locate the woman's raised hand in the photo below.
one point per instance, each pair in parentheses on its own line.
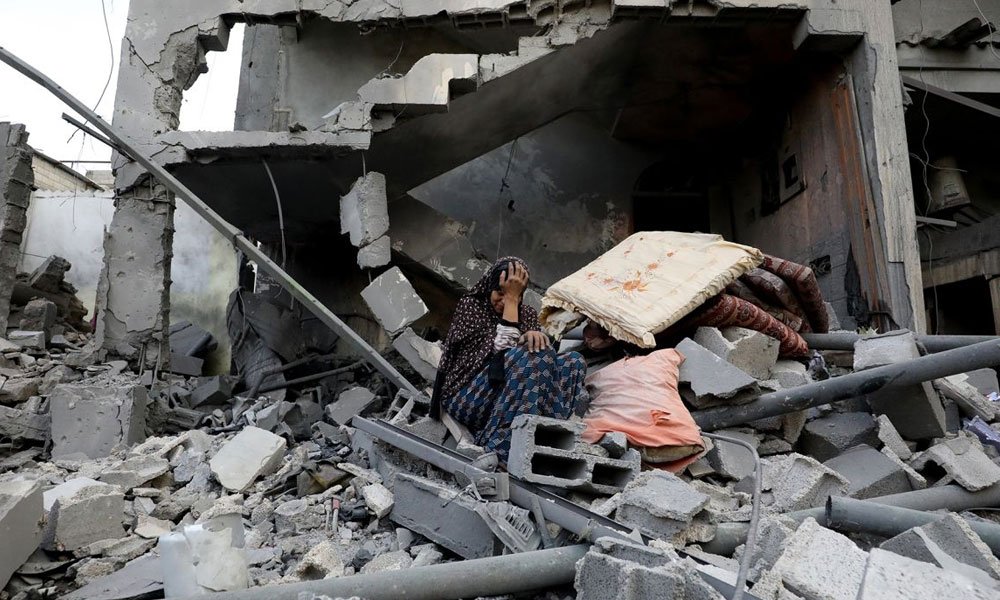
(514,281)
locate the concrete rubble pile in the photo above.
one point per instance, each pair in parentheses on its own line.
(125,484)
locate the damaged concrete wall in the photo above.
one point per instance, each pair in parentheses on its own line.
(557,211)
(16,181)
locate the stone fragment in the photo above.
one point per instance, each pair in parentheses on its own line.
(750,351)
(151,527)
(659,504)
(93,419)
(350,404)
(422,355)
(298,516)
(217,389)
(888,435)
(251,454)
(820,564)
(31,340)
(393,301)
(375,254)
(712,379)
(732,460)
(964,461)
(830,436)
(917,481)
(771,537)
(615,442)
(55,376)
(614,569)
(322,562)
(799,482)
(49,275)
(378,498)
(984,380)
(870,473)
(916,411)
(16,390)
(364,213)
(135,471)
(950,535)
(390,561)
(21,518)
(790,373)
(971,402)
(83,514)
(39,315)
(889,576)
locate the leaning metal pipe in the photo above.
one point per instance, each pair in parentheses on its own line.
(918,370)
(844,340)
(861,516)
(231,233)
(494,576)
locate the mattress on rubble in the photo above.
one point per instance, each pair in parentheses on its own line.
(647,283)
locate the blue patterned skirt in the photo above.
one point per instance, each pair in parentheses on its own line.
(536,383)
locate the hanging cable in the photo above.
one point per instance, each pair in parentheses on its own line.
(281,216)
(111,71)
(503,186)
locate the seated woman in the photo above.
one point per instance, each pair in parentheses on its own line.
(497,364)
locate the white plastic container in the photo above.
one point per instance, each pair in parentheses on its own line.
(204,558)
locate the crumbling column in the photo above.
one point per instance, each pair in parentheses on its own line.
(16,181)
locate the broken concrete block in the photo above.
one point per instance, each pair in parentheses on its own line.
(185,365)
(615,442)
(830,436)
(297,517)
(18,389)
(350,404)
(984,380)
(82,514)
(375,254)
(790,373)
(964,461)
(870,473)
(917,480)
(971,402)
(21,518)
(712,379)
(916,411)
(135,471)
(422,355)
(39,315)
(364,213)
(547,451)
(94,419)
(659,504)
(750,351)
(393,300)
(818,563)
(205,557)
(799,482)
(322,562)
(251,454)
(732,460)
(378,498)
(24,425)
(889,576)
(390,561)
(32,340)
(950,535)
(215,390)
(888,435)
(151,527)
(614,569)
(771,538)
(443,515)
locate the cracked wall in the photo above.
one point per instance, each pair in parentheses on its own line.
(16,182)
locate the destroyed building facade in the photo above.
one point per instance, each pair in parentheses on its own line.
(441,133)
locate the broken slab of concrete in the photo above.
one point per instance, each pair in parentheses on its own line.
(832,435)
(818,563)
(375,254)
(964,461)
(83,513)
(969,399)
(443,515)
(950,535)
(16,181)
(889,576)
(888,435)
(251,454)
(21,518)
(422,355)
(984,380)
(135,471)
(350,404)
(659,504)
(393,301)
(93,419)
(17,424)
(39,315)
(870,473)
(712,379)
(364,213)
(799,482)
(790,373)
(732,460)
(916,411)
(217,389)
(750,351)
(378,498)
(28,340)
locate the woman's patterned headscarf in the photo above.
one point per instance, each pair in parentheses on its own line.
(469,345)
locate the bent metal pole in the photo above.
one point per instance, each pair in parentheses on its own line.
(493,576)
(918,370)
(225,228)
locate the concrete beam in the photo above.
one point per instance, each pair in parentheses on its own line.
(16,182)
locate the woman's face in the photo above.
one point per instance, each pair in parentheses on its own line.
(496,299)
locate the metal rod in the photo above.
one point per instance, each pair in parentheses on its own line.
(918,370)
(571,517)
(861,516)
(282,368)
(494,576)
(844,340)
(215,220)
(100,138)
(307,378)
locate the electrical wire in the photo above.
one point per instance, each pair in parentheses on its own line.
(751,543)
(281,216)
(111,71)
(503,185)
(992,27)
